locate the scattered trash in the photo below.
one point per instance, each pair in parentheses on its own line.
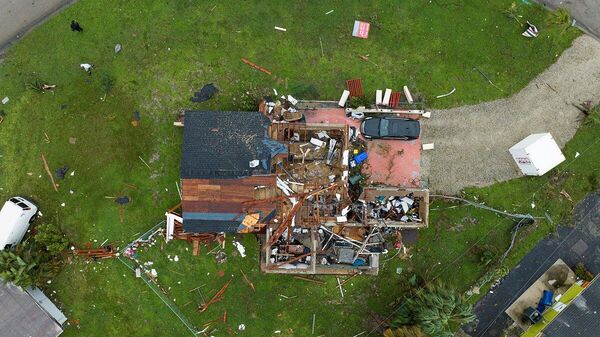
(63,204)
(176,258)
(122,200)
(448,94)
(5,100)
(361,29)
(206,93)
(254,163)
(117,48)
(280,29)
(135,119)
(331,11)
(576,154)
(531,31)
(61,172)
(76,27)
(428,146)
(87,67)
(241,327)
(72,140)
(532,204)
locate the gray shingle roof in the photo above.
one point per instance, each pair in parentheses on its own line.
(580,318)
(21,316)
(221,144)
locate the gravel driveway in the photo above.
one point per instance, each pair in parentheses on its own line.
(472,142)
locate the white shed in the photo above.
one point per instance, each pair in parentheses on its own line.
(537,154)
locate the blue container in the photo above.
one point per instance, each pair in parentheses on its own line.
(358,159)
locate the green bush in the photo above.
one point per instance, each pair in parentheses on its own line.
(36,260)
(582,273)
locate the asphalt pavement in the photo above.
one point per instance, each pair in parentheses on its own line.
(585,12)
(17,17)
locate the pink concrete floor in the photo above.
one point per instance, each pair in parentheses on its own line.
(390,162)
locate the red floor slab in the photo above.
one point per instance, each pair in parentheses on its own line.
(390,162)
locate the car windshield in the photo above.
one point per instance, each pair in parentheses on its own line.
(383,127)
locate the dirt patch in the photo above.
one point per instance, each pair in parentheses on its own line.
(472,142)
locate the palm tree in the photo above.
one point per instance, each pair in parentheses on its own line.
(437,309)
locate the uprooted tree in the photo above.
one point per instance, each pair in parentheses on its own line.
(36,260)
(437,309)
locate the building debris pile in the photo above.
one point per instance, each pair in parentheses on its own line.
(393,208)
(282,109)
(318,230)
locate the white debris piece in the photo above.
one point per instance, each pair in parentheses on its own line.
(386,97)
(5,100)
(86,66)
(117,48)
(63,204)
(532,204)
(408,95)
(577,154)
(317,142)
(153,272)
(378,97)
(292,100)
(321,134)
(341,219)
(254,163)
(72,173)
(426,114)
(331,11)
(428,146)
(281,29)
(241,327)
(241,249)
(344,98)
(346,210)
(176,258)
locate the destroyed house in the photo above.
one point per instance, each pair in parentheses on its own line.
(225,169)
(288,182)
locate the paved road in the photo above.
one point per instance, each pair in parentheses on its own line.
(585,12)
(17,17)
(572,245)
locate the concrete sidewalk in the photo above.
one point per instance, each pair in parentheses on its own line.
(17,17)
(585,12)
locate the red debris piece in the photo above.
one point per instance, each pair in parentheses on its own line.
(355,87)
(394,100)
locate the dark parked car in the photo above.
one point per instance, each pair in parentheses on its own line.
(390,128)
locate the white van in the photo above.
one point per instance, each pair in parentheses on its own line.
(15,217)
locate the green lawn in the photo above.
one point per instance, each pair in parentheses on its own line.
(171,48)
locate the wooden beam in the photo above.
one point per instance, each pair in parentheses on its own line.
(49,173)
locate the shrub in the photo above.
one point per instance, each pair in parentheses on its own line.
(582,273)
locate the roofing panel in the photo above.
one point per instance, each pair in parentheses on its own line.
(580,318)
(221,144)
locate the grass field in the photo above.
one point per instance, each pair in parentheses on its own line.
(172,48)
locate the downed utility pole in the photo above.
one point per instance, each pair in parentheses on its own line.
(216,298)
